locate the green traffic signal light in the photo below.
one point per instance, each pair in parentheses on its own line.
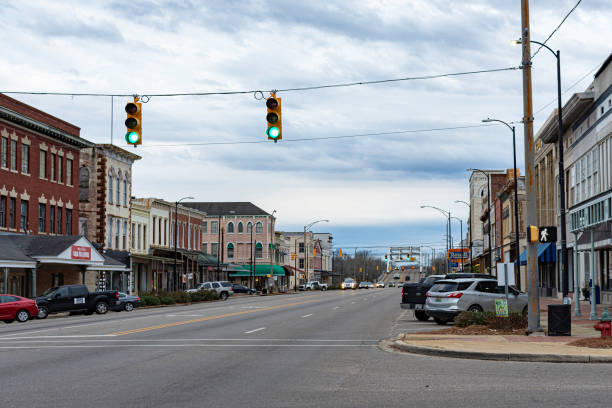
(132,137)
(273,132)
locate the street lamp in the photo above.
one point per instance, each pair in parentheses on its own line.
(470,231)
(489,212)
(306,228)
(460,239)
(516,202)
(433,258)
(448,236)
(176,203)
(564,272)
(271,250)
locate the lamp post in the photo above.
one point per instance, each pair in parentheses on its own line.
(488,212)
(433,258)
(516,202)
(306,228)
(271,251)
(448,237)
(461,226)
(176,203)
(564,271)
(470,231)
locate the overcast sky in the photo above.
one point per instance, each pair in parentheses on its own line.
(370,188)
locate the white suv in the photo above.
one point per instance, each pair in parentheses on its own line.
(223,288)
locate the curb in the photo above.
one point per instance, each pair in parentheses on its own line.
(479,355)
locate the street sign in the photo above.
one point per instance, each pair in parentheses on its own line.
(501,308)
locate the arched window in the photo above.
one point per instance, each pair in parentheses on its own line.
(230,228)
(83,184)
(258,251)
(240,228)
(249,228)
(258,227)
(118,189)
(110,188)
(230,251)
(125,190)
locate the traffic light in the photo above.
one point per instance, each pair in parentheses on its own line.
(402,268)
(275,127)
(385,257)
(133,122)
(340,253)
(534,233)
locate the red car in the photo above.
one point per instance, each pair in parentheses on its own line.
(18,308)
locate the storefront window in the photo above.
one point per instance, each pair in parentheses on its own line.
(258,250)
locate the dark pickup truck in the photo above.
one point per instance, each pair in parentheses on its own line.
(74,298)
(414,294)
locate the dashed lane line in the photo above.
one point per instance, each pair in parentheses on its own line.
(254,330)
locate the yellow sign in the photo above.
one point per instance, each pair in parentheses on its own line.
(340,253)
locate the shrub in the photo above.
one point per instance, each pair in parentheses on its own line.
(180,296)
(148,300)
(167,300)
(513,321)
(465,319)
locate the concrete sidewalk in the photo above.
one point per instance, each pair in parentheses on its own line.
(536,348)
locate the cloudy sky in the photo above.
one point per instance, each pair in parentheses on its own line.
(370,188)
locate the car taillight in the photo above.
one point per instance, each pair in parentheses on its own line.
(427,294)
(138,298)
(456,295)
(116,295)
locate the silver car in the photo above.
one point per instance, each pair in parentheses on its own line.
(447,298)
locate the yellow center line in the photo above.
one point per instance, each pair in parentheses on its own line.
(203,319)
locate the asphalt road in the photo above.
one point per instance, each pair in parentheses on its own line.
(305,350)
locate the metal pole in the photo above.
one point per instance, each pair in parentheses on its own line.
(461,243)
(532,249)
(489,219)
(516,216)
(175,238)
(252,266)
(576,278)
(219,247)
(593,281)
(564,271)
(305,257)
(295,271)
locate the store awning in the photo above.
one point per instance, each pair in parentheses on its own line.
(259,270)
(547,253)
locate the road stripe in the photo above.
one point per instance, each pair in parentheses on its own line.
(337,307)
(254,330)
(308,315)
(182,346)
(203,319)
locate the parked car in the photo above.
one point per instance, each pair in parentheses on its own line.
(316,285)
(413,295)
(75,298)
(447,298)
(223,288)
(371,285)
(391,284)
(126,302)
(396,276)
(348,283)
(363,285)
(238,288)
(380,284)
(13,307)
(460,275)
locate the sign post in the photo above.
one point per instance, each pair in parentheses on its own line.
(505,278)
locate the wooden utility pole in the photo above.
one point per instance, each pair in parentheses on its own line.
(533,289)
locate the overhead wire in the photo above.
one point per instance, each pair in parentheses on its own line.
(557,28)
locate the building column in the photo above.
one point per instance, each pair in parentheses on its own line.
(593,280)
(34,282)
(83,270)
(576,278)
(5,289)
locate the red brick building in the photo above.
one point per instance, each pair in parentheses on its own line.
(39,161)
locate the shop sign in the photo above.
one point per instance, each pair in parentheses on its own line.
(80,252)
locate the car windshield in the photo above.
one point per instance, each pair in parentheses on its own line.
(49,291)
(348,281)
(226,284)
(429,281)
(450,286)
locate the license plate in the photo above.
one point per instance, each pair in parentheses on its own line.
(437,299)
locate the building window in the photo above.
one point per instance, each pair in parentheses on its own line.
(258,228)
(133,245)
(14,155)
(118,189)
(25,159)
(23,216)
(204,227)
(117,230)
(43,164)
(12,204)
(230,228)
(301,264)
(51,219)
(3,211)
(60,166)
(144,236)
(214,249)
(182,241)
(110,232)
(42,210)
(240,228)
(110,188)
(68,222)
(205,247)
(125,235)
(230,251)
(124,192)
(258,251)
(4,152)
(214,227)
(52,172)
(59,220)
(249,228)
(301,246)
(68,172)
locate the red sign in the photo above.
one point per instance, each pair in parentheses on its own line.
(80,252)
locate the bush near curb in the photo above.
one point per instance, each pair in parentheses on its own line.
(170,298)
(514,320)
(149,300)
(167,300)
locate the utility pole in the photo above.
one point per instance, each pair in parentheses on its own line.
(530,219)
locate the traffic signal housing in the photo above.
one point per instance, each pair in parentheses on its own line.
(273,117)
(133,123)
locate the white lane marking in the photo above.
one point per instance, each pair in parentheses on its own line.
(186,345)
(32,340)
(252,307)
(337,307)
(254,330)
(352,303)
(59,337)
(184,315)
(308,315)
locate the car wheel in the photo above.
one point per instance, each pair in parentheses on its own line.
(223,296)
(43,312)
(475,309)
(525,311)
(323,288)
(9,321)
(439,321)
(88,313)
(22,316)
(421,315)
(129,306)
(307,288)
(101,308)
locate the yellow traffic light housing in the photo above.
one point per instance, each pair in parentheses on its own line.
(534,233)
(273,117)
(133,122)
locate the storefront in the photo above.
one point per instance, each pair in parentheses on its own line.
(547,258)
(258,275)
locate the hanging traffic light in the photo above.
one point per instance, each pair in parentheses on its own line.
(275,128)
(133,122)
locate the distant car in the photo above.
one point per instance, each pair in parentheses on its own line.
(461,275)
(223,288)
(238,288)
(18,308)
(391,284)
(380,284)
(371,285)
(349,284)
(396,276)
(126,302)
(363,285)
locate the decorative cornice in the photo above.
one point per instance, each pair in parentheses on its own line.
(25,195)
(69,205)
(26,141)
(69,156)
(52,201)
(43,146)
(14,136)
(13,193)
(42,199)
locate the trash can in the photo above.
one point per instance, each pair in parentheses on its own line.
(559,320)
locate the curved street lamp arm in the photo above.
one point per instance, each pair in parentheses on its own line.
(446,213)
(464,202)
(307,227)
(500,121)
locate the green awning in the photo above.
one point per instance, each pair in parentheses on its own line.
(259,270)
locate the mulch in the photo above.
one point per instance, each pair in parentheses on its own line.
(476,330)
(593,342)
